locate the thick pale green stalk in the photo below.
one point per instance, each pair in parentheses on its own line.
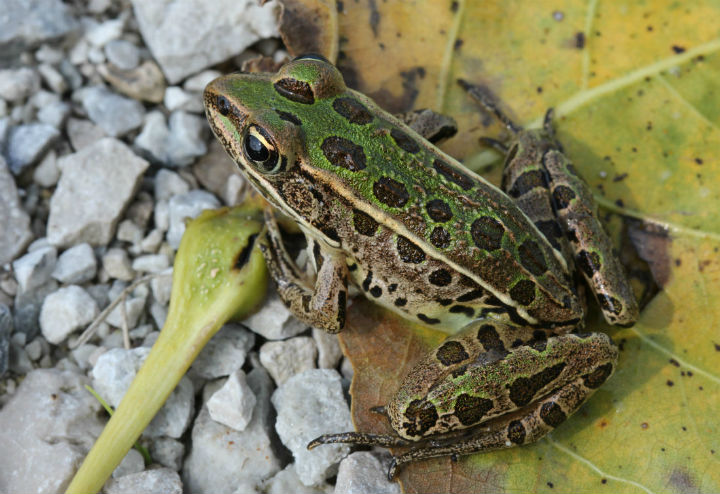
(218,275)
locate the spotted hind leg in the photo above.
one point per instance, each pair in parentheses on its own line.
(523,426)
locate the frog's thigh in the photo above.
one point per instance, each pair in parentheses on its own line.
(533,420)
(478,375)
(577,214)
(322,306)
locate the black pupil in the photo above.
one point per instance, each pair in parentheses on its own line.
(223,105)
(256,150)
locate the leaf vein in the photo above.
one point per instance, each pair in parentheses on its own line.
(646,339)
(594,467)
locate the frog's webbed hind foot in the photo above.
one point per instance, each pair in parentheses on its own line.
(482,96)
(495,144)
(360,438)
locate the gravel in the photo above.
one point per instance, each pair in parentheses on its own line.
(104,155)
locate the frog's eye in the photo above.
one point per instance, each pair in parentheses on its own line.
(260,150)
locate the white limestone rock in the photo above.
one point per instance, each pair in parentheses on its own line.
(103,178)
(283,359)
(46,429)
(308,405)
(66,310)
(182,34)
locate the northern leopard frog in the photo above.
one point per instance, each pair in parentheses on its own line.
(384,209)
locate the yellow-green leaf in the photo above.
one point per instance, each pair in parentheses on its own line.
(635,87)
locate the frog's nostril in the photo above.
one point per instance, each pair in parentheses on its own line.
(223,105)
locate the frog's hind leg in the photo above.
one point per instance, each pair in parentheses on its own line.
(576,212)
(524,426)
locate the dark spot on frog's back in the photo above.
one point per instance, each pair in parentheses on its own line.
(597,377)
(523,292)
(404,141)
(390,192)
(438,210)
(552,414)
(490,339)
(364,223)
(451,353)
(409,252)
(294,90)
(344,153)
(353,110)
(516,432)
(289,117)
(562,195)
(523,389)
(527,182)
(487,233)
(609,304)
(421,416)
(440,277)
(589,262)
(470,409)
(531,257)
(453,175)
(440,237)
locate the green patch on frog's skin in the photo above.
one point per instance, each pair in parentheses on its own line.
(417,233)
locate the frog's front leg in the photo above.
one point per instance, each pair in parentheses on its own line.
(322,306)
(476,392)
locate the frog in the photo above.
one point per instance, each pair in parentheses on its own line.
(504,271)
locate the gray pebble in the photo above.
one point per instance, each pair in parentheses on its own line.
(27,308)
(363,472)
(24,25)
(83,133)
(6,328)
(221,457)
(103,178)
(182,34)
(168,452)
(46,173)
(54,114)
(53,78)
(115,114)
(35,268)
(15,231)
(314,399)
(123,54)
(116,263)
(183,206)
(155,481)
(283,359)
(64,311)
(27,144)
(76,265)
(49,424)
(168,184)
(18,84)
(224,353)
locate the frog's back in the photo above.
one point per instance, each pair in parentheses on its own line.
(387,176)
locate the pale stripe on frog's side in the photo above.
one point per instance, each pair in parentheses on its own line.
(432,241)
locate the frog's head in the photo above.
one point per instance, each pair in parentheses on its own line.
(259,117)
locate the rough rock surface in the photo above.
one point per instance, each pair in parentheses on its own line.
(103,178)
